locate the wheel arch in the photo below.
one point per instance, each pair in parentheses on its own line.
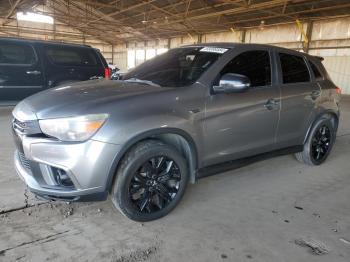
(328,113)
(178,138)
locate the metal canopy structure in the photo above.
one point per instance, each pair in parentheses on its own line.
(140,20)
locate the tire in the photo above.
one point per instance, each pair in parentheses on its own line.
(159,190)
(318,145)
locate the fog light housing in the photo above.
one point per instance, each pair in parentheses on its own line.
(61,177)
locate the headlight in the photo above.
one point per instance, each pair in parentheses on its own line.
(73,128)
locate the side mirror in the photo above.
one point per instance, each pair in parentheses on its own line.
(232,83)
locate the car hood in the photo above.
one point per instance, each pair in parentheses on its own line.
(79,98)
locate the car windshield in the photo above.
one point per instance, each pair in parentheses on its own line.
(177,67)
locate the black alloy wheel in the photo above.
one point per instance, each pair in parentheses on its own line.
(321,143)
(150,181)
(155,184)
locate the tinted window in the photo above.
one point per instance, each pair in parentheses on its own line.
(14,53)
(315,70)
(294,69)
(253,64)
(177,67)
(71,56)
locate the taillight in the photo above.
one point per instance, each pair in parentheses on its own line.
(338,90)
(107,73)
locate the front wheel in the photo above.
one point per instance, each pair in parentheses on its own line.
(150,182)
(319,143)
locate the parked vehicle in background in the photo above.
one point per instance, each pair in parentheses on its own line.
(29,66)
(185,114)
(113,68)
(117,75)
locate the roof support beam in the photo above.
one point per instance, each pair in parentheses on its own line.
(306,45)
(179,4)
(246,5)
(11,11)
(122,11)
(296,13)
(238,10)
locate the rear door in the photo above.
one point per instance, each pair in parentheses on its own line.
(20,70)
(299,93)
(71,63)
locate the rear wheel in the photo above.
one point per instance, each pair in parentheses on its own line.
(150,182)
(319,143)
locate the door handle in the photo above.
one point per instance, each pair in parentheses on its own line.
(35,72)
(271,104)
(315,94)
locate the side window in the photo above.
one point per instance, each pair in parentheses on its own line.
(253,64)
(16,54)
(294,69)
(68,56)
(315,70)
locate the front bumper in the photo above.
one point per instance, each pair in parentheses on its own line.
(86,164)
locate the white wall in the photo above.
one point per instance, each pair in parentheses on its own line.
(338,68)
(329,34)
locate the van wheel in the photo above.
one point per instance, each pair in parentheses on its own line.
(150,181)
(319,143)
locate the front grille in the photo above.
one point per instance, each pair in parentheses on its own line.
(24,161)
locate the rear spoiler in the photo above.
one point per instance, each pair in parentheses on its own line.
(319,58)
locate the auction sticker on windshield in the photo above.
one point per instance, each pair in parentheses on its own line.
(218,50)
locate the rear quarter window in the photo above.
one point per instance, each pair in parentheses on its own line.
(16,54)
(316,71)
(71,56)
(103,60)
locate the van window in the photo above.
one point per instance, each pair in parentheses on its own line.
(294,69)
(315,70)
(253,64)
(68,56)
(16,54)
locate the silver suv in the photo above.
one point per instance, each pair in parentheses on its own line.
(189,113)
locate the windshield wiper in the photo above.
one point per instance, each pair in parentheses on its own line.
(136,80)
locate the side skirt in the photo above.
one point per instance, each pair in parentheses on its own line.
(234,164)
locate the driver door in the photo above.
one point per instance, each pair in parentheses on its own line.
(239,125)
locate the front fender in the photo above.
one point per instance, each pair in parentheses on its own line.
(193,158)
(317,116)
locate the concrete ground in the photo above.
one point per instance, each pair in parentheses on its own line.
(262,212)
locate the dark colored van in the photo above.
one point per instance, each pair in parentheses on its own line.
(30,66)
